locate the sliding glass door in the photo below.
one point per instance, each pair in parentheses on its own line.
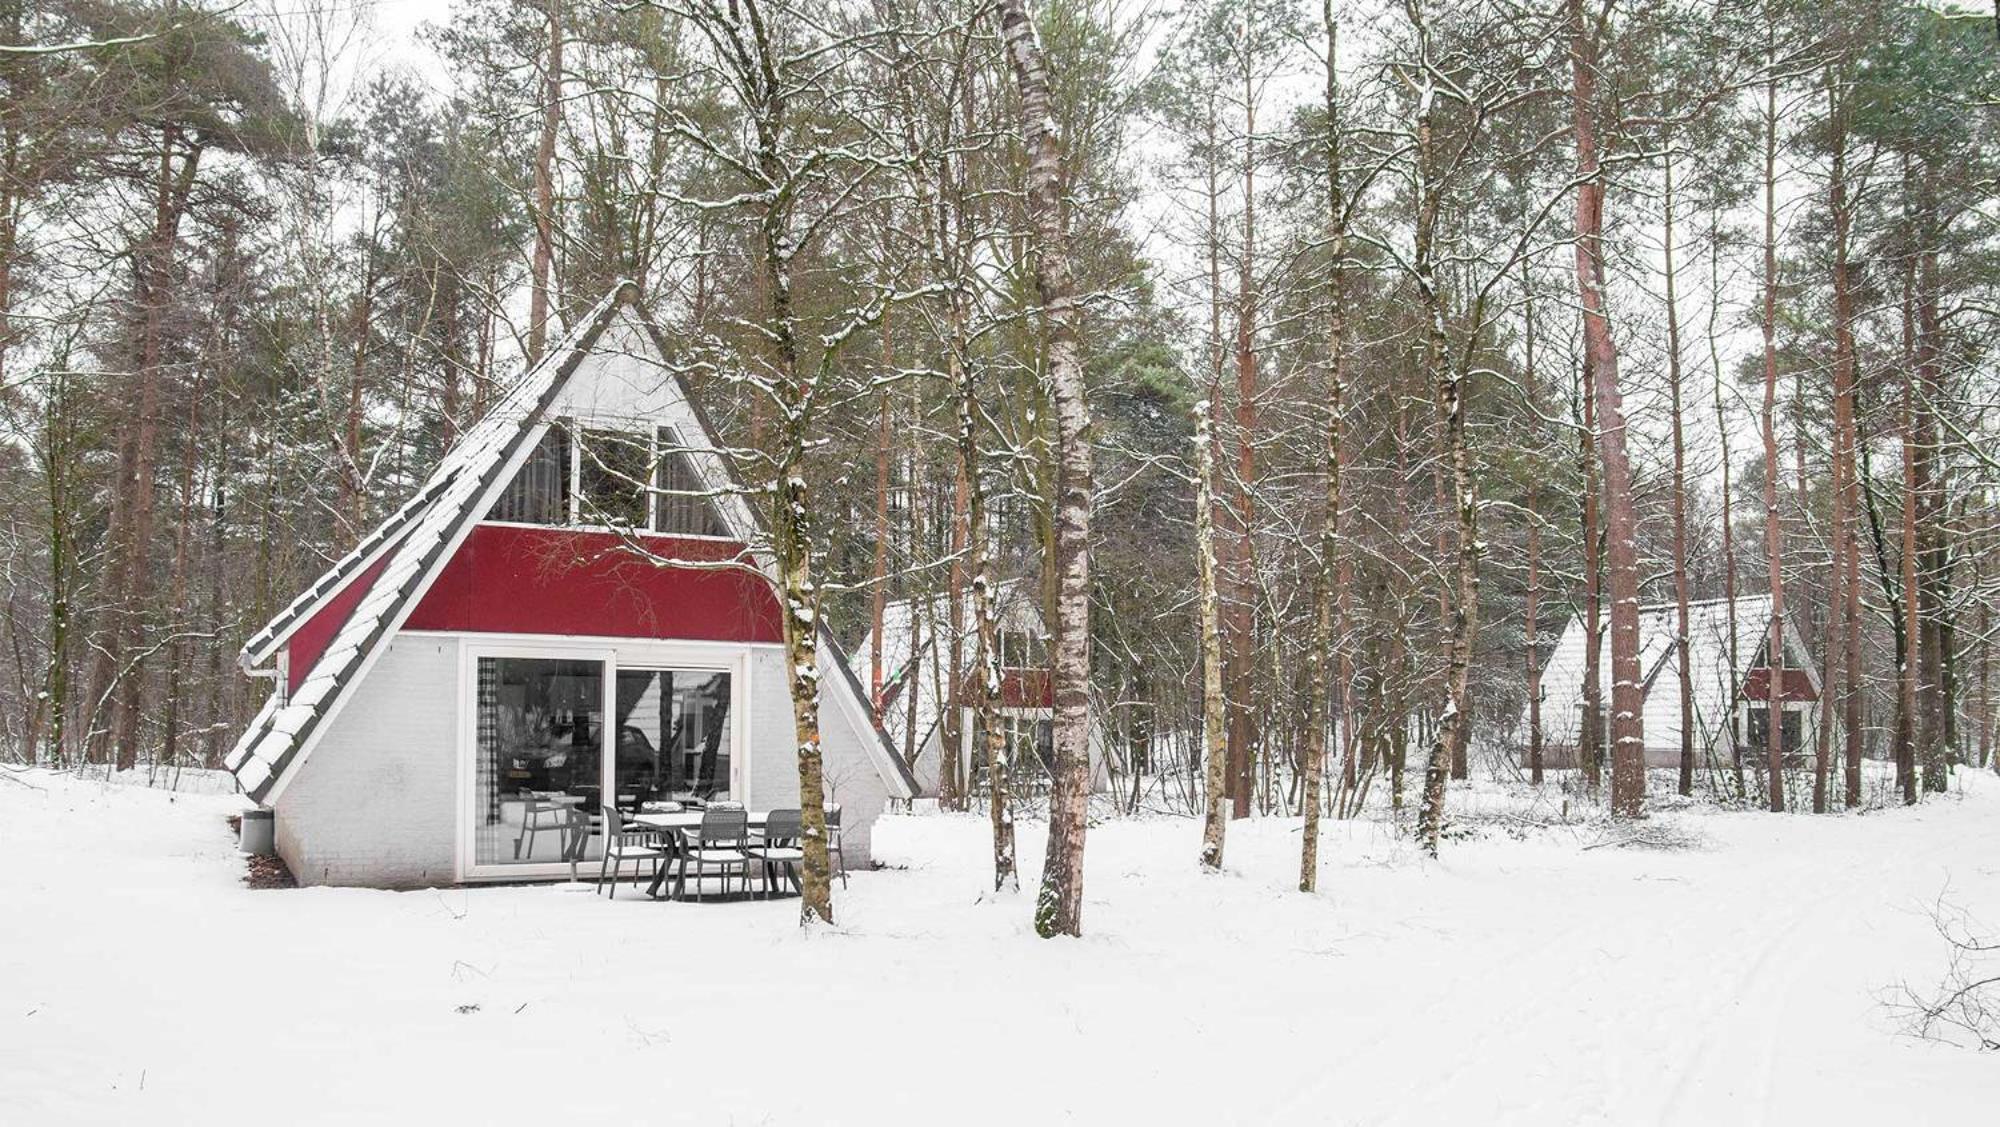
(539,761)
(556,737)
(674,736)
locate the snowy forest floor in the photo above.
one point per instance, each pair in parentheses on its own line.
(1525,978)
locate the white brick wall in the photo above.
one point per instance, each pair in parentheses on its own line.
(851,777)
(375,804)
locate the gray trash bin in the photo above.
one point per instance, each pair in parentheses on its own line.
(258,832)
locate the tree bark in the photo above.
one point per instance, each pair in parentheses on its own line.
(1735,677)
(1531,615)
(545,186)
(1059,905)
(1628,745)
(1843,636)
(1330,591)
(1243,750)
(1590,738)
(985,684)
(130,536)
(1215,738)
(1774,535)
(1448,382)
(1685,677)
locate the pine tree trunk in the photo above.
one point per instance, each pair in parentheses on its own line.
(878,596)
(1685,677)
(1628,744)
(1243,750)
(131,532)
(1907,657)
(1531,615)
(1774,536)
(1735,676)
(1843,636)
(545,186)
(1590,739)
(955,737)
(1059,905)
(1935,713)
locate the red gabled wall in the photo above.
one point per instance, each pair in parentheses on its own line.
(310,639)
(1019,688)
(1798,684)
(516,580)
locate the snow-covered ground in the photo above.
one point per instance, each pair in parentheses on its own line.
(1524,979)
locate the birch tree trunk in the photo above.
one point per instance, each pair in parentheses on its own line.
(1059,905)
(1331,589)
(1448,385)
(985,684)
(1215,736)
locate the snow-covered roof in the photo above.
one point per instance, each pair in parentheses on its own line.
(1715,681)
(420,537)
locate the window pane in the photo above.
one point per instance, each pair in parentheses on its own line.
(681,500)
(539,493)
(673,736)
(611,469)
(541,724)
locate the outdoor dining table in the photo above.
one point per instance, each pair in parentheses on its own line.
(677,824)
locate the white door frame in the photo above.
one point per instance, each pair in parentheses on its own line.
(611,654)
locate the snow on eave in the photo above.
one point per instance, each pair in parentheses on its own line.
(264,644)
(472,473)
(468,478)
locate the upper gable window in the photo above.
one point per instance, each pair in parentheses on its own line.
(681,502)
(540,493)
(605,477)
(611,478)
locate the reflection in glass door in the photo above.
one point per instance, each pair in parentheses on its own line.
(539,775)
(673,736)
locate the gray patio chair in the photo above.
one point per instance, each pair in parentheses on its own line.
(778,848)
(717,843)
(622,845)
(833,849)
(541,813)
(576,838)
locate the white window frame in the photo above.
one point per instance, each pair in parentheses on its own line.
(732,658)
(654,451)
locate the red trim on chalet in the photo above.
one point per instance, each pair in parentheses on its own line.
(1798,685)
(510,579)
(309,639)
(1022,688)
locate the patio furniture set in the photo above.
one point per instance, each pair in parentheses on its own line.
(669,842)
